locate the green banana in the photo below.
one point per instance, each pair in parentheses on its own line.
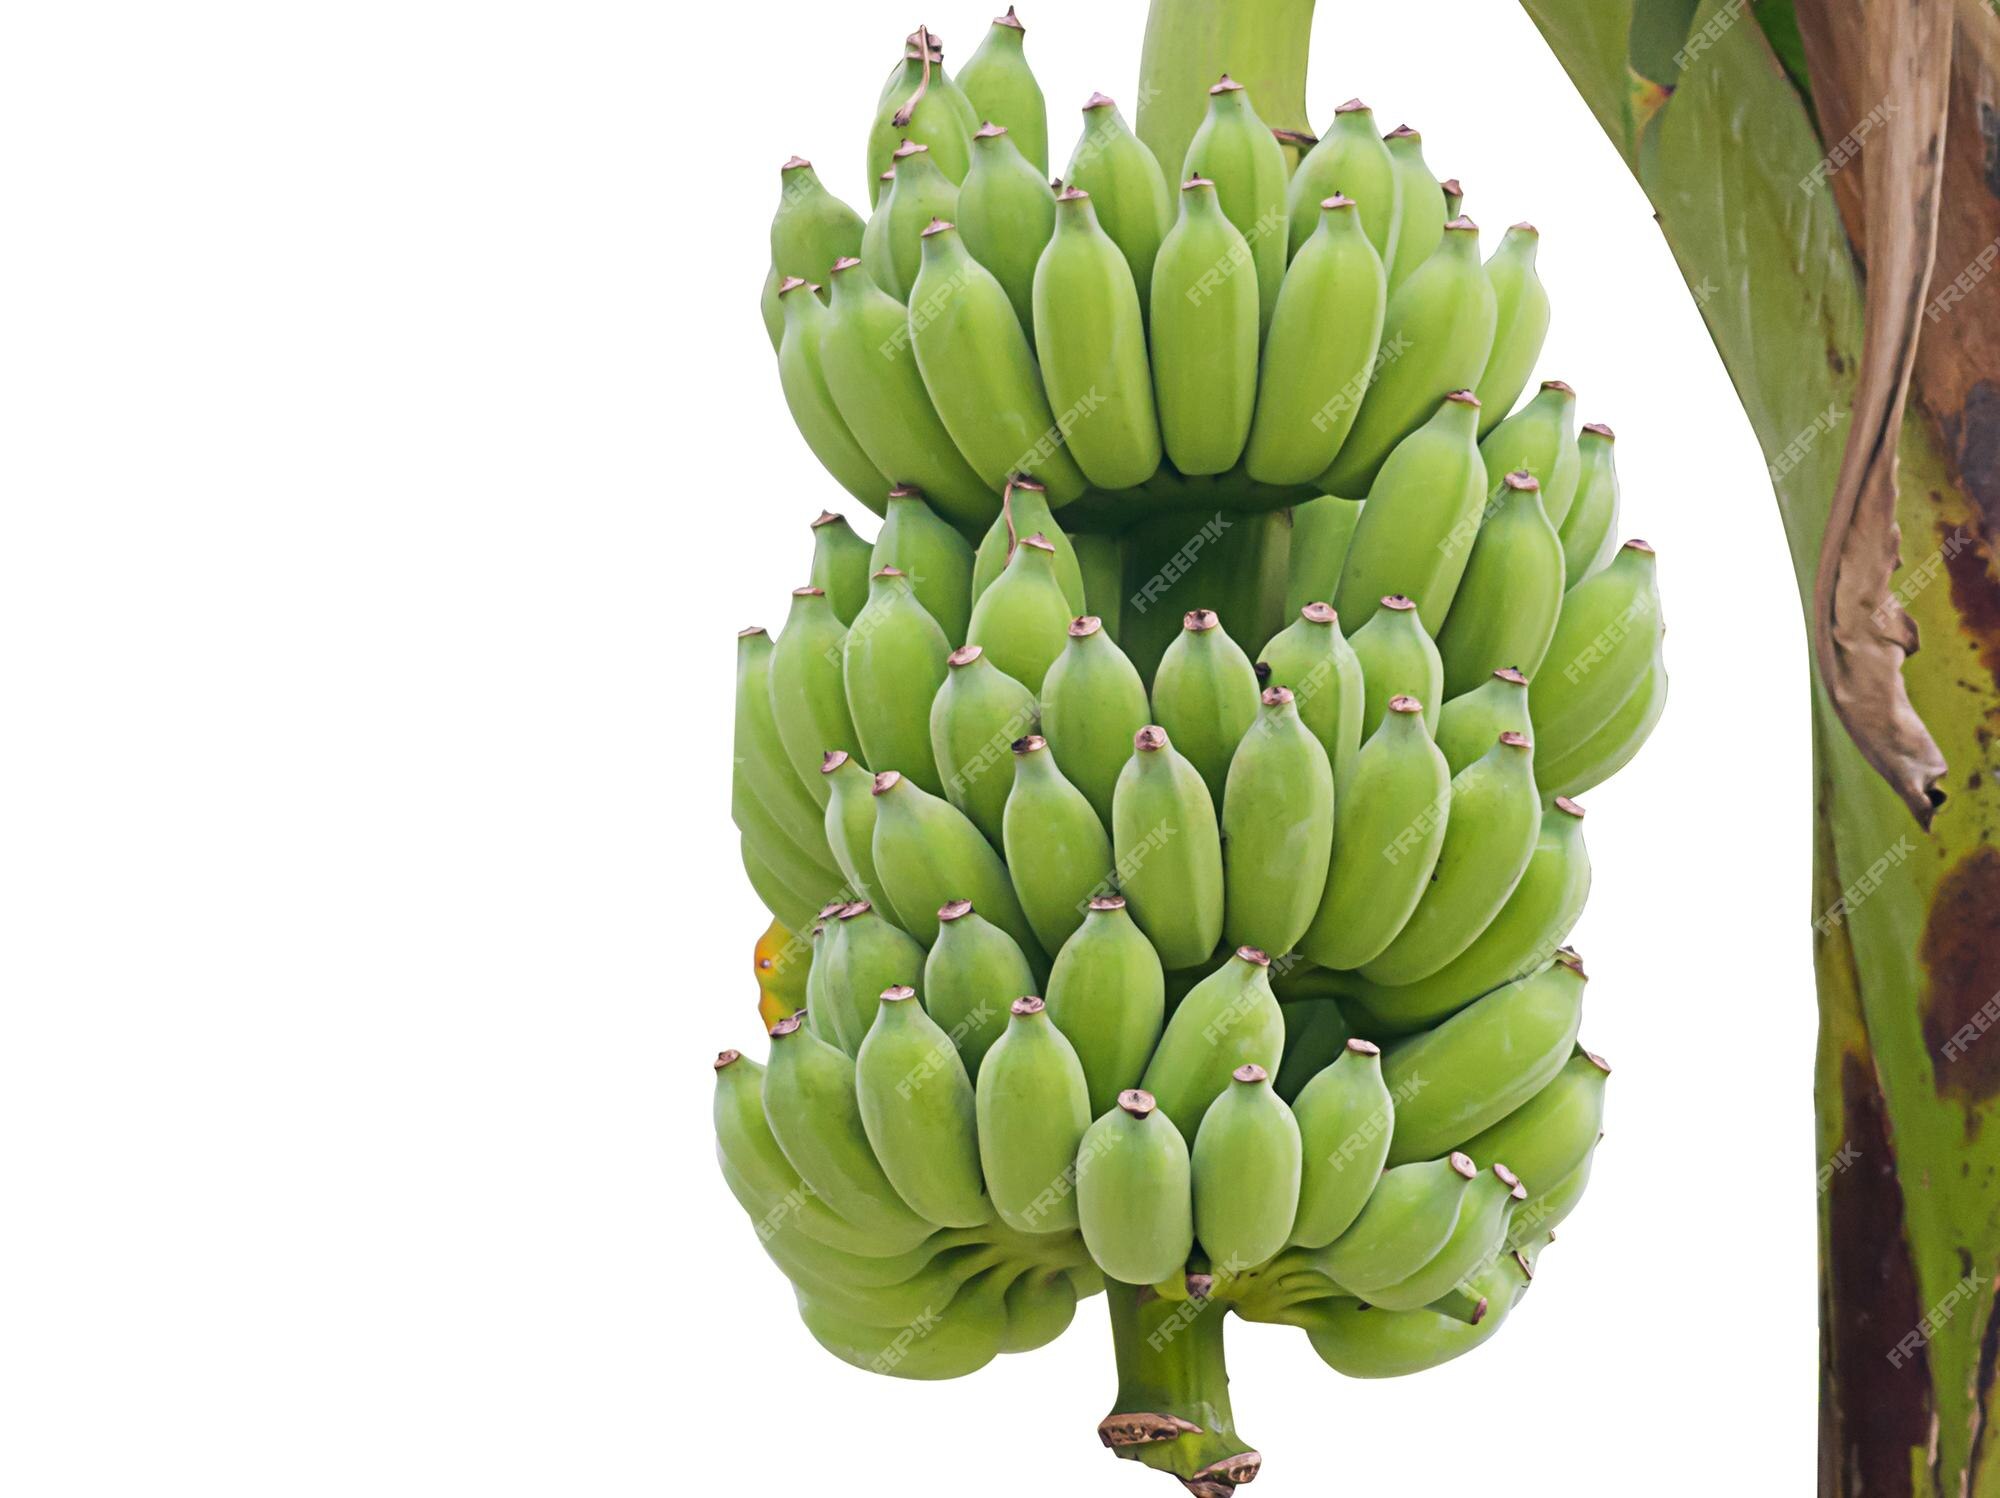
(880,394)
(1479,1238)
(1205,696)
(931,553)
(840,565)
(803,379)
(927,853)
(1420,215)
(1034,1110)
(788,906)
(1024,511)
(1092,703)
(1277,829)
(1236,150)
(1316,1033)
(918,1109)
(1416,532)
(1313,658)
(1345,1116)
(1090,336)
(1436,335)
(1352,161)
(1229,1019)
(1001,87)
(981,371)
(780,819)
(1552,1134)
(893,663)
(1540,439)
(921,104)
(811,229)
(825,943)
(1204,331)
(1470,722)
(1007,214)
(1494,824)
(1022,621)
(1133,1192)
(1593,514)
(1545,1211)
(976,715)
(919,195)
(808,696)
(1454,197)
(1521,326)
(1397,660)
(928,1344)
(1168,850)
(1505,610)
(1058,852)
(867,955)
(1107,994)
(1244,1168)
(974,971)
(1408,1219)
(850,828)
(1387,837)
(1610,748)
(1320,351)
(1126,187)
(1484,1062)
(1605,644)
(1322,531)
(1362,1342)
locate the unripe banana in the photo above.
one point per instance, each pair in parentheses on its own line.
(1322,531)
(1386,839)
(1127,189)
(1277,829)
(1527,933)
(1245,1172)
(918,1109)
(1436,335)
(936,559)
(1313,658)
(1351,160)
(880,394)
(1420,215)
(1491,834)
(919,195)
(894,663)
(973,973)
(1236,150)
(1316,1033)
(1605,645)
(1454,197)
(1522,324)
(1415,534)
(1479,1238)
(1022,621)
(1107,994)
(840,565)
(769,804)
(1001,87)
(1090,336)
(1320,352)
(850,828)
(1024,511)
(1345,1116)
(809,1099)
(1205,696)
(802,324)
(1611,748)
(1484,1062)
(1229,1019)
(1041,1303)
(1506,607)
(1553,1133)
(1204,331)
(786,904)
(1133,1192)
(1408,1219)
(1034,1109)
(1361,1341)
(867,955)
(961,1339)
(927,853)
(1540,439)
(1092,703)
(920,103)
(1058,852)
(1168,850)
(1006,213)
(1593,515)
(1397,660)
(808,695)
(826,956)
(1545,1211)
(981,372)
(1471,721)
(811,229)
(977,714)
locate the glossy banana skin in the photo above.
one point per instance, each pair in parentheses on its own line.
(927,854)
(1471,722)
(1312,657)
(1549,1137)
(808,694)
(850,828)
(777,816)
(1277,829)
(1058,852)
(925,548)
(1363,1342)
(1093,702)
(1024,512)
(802,376)
(1133,1192)
(975,718)
(1505,610)
(1205,696)
(1007,214)
(1229,1019)
(1033,1110)
(917,1107)
(1022,621)
(1420,216)
(1322,531)
(919,195)
(1398,659)
(865,956)
(1606,644)
(973,973)
(1592,522)
(893,662)
(1521,326)
(1350,159)
(1236,150)
(1407,1220)
(1245,1167)
(1126,188)
(1540,439)
(1345,1117)
(1479,1238)
(1204,334)
(840,564)
(811,229)
(1168,851)
(1607,751)
(1108,995)
(1001,87)
(1316,1032)
(922,106)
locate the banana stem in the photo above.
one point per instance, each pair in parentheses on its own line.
(1172,1411)
(1191,43)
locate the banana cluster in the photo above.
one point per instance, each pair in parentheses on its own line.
(1231,964)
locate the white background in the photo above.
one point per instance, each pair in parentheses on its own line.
(392,451)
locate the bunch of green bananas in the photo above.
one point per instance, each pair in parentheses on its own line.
(1171,809)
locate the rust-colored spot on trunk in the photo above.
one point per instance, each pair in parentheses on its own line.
(1878,1374)
(1961,954)
(1974,594)
(1974,435)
